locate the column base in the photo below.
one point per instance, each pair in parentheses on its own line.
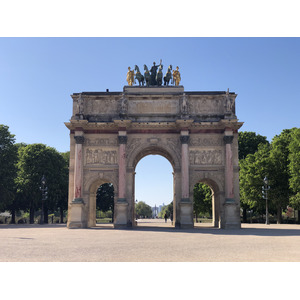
(185,213)
(76,218)
(231,215)
(121,213)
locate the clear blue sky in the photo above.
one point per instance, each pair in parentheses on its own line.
(38,75)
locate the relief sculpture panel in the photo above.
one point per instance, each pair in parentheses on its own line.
(206,157)
(206,106)
(101,157)
(101,106)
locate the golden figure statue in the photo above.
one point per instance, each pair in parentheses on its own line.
(130,76)
(176,76)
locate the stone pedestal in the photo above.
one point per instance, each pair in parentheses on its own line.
(121,214)
(76,218)
(232,215)
(186,214)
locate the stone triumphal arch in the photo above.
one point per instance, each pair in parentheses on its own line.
(111,131)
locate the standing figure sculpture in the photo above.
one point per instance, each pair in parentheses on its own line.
(176,76)
(168,75)
(229,103)
(130,76)
(159,76)
(147,75)
(153,71)
(138,75)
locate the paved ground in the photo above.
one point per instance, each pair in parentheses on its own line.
(151,241)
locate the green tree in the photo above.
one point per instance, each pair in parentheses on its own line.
(62,198)
(253,169)
(36,160)
(294,168)
(105,198)
(8,170)
(202,200)
(167,209)
(279,172)
(143,210)
(248,143)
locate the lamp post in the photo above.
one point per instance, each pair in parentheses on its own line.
(265,189)
(44,190)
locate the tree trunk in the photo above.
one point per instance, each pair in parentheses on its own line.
(13,216)
(45,215)
(244,215)
(61,215)
(279,215)
(31,215)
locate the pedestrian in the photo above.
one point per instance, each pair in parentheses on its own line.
(166,217)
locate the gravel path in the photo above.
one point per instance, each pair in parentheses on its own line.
(151,241)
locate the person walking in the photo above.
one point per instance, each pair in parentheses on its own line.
(166,217)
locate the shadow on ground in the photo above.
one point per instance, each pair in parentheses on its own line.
(196,230)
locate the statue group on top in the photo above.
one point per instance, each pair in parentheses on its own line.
(154,77)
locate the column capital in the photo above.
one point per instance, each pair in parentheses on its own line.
(122,139)
(228,139)
(79,139)
(184,139)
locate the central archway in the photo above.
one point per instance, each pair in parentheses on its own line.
(154,190)
(154,185)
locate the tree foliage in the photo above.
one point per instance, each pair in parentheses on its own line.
(105,197)
(36,160)
(202,199)
(253,169)
(8,170)
(294,167)
(143,210)
(248,143)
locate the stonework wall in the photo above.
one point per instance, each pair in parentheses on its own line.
(112,131)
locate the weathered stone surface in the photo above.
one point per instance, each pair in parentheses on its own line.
(196,131)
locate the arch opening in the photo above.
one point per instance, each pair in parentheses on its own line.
(153,189)
(100,210)
(206,199)
(105,204)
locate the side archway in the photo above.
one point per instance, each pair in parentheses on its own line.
(216,187)
(92,194)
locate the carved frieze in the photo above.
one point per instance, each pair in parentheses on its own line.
(100,157)
(206,157)
(133,144)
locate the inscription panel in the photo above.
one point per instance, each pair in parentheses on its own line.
(101,141)
(153,107)
(201,106)
(206,141)
(101,106)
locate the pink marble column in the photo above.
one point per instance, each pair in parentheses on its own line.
(185,195)
(78,170)
(122,167)
(229,194)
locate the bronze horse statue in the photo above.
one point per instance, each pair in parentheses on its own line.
(168,76)
(147,75)
(159,76)
(138,75)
